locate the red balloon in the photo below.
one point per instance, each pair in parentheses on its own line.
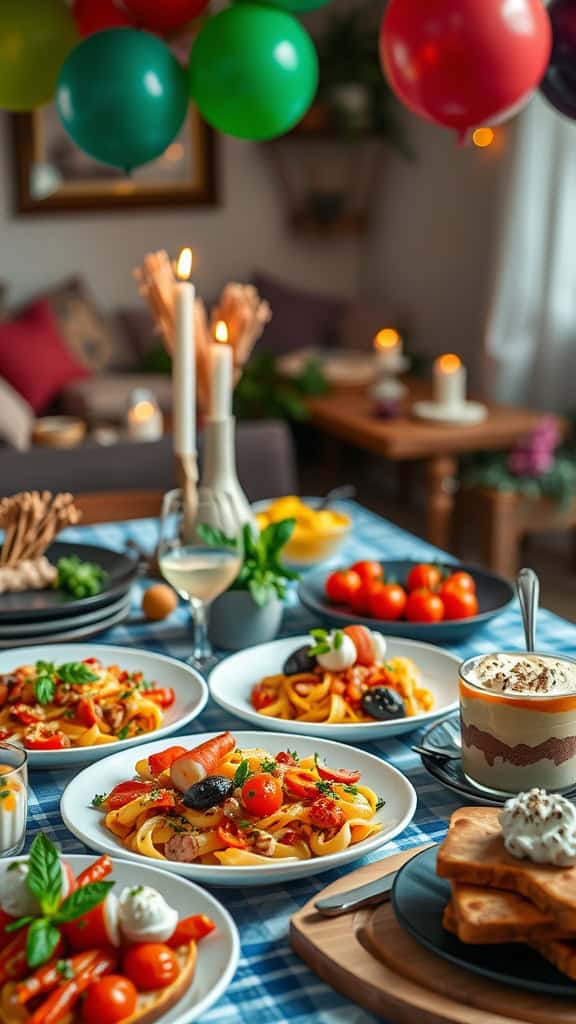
(464,63)
(97,15)
(164,15)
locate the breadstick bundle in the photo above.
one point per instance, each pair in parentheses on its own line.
(30,521)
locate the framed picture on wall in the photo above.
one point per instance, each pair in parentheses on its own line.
(54,176)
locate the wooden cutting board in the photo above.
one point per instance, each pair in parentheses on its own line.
(369,959)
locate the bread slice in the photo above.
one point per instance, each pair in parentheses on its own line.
(153,1005)
(489,916)
(473,852)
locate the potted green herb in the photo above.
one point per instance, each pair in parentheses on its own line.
(250,612)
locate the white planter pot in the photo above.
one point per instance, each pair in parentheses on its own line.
(236,621)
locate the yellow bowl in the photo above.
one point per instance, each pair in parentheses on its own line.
(317,535)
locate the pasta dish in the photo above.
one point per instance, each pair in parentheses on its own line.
(78,704)
(217,804)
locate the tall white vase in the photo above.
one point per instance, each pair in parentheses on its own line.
(221,500)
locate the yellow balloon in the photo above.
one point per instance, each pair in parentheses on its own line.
(36,36)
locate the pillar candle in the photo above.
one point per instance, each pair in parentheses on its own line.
(388,347)
(221,374)
(449,380)
(183,360)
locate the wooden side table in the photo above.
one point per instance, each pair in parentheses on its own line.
(347,415)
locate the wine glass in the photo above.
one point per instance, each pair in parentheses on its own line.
(199,571)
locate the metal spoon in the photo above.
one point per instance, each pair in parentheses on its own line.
(451,749)
(528,587)
(337,494)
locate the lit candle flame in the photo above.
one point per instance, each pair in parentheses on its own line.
(142,411)
(483,137)
(184,264)
(221,331)
(388,337)
(449,363)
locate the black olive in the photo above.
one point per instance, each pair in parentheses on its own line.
(209,792)
(381,702)
(299,661)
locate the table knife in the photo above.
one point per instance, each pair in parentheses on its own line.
(363,896)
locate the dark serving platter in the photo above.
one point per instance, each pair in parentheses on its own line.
(32,605)
(419,898)
(494,595)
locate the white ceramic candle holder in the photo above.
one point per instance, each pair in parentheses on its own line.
(221,500)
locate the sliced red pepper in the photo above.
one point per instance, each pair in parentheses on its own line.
(25,714)
(59,1004)
(14,965)
(229,834)
(96,872)
(49,741)
(48,976)
(162,761)
(301,782)
(344,775)
(86,712)
(124,793)
(191,929)
(163,696)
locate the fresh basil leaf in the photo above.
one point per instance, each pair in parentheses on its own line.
(319,634)
(44,689)
(213,537)
(41,942)
(21,922)
(318,649)
(76,673)
(338,639)
(82,900)
(123,732)
(276,535)
(44,876)
(242,773)
(45,668)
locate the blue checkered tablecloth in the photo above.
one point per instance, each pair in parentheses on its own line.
(272,984)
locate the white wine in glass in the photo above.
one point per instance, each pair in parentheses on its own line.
(198,572)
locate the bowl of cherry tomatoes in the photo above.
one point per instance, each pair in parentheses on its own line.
(420,600)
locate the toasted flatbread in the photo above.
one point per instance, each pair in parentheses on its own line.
(153,1005)
(473,853)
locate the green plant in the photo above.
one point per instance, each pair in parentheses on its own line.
(263,393)
(262,573)
(82,579)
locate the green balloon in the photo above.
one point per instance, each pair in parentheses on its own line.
(35,39)
(122,97)
(253,71)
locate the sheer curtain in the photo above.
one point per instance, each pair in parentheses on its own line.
(531,328)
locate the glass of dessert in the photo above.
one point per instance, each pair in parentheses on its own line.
(13,798)
(518,721)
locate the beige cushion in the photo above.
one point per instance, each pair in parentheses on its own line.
(104,398)
(16,417)
(96,341)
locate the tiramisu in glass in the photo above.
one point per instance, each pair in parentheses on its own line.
(518,717)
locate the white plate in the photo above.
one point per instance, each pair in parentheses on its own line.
(232,680)
(190,689)
(217,954)
(88,824)
(458,415)
(62,634)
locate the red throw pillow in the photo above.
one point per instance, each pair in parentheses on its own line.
(34,359)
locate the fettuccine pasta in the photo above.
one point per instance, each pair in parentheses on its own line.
(252,807)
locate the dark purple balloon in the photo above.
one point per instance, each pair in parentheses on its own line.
(559,82)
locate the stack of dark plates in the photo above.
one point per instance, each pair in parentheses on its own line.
(43,616)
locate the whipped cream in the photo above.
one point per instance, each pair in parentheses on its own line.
(145,916)
(540,827)
(529,674)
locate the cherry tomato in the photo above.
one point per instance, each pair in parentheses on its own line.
(461,580)
(262,794)
(110,999)
(26,715)
(191,929)
(362,640)
(341,585)
(151,965)
(285,757)
(369,572)
(124,792)
(326,814)
(262,696)
(231,836)
(301,782)
(423,606)
(388,601)
(346,776)
(459,604)
(162,695)
(97,928)
(161,762)
(361,599)
(424,576)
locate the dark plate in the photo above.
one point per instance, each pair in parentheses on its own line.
(494,594)
(419,898)
(32,605)
(449,771)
